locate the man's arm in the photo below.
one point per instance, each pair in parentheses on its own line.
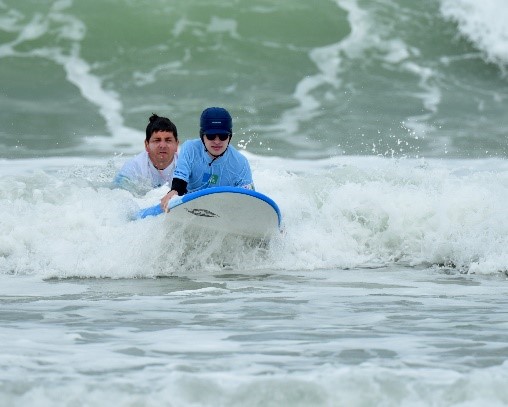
(178,187)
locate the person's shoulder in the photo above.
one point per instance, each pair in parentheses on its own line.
(138,157)
(237,153)
(192,142)
(190,145)
(137,160)
(131,172)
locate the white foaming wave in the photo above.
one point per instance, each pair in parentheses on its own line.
(328,60)
(351,212)
(366,34)
(483,23)
(365,384)
(223,25)
(200,291)
(430,97)
(343,212)
(144,78)
(108,102)
(70,32)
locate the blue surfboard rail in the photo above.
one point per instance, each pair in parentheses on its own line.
(151,211)
(157,210)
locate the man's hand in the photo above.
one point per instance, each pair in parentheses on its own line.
(165,200)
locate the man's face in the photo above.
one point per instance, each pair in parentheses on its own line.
(216,146)
(161,148)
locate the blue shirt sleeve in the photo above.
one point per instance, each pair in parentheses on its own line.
(185,159)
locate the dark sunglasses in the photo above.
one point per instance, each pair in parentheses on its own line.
(222,137)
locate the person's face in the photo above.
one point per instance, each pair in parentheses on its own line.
(161,148)
(215,146)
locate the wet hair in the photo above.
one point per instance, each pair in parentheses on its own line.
(158,123)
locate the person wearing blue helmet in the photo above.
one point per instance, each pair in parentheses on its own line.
(211,160)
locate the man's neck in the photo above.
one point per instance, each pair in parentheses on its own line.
(161,167)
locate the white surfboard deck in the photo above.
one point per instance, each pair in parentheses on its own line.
(232,210)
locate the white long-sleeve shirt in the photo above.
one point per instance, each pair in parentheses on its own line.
(140,175)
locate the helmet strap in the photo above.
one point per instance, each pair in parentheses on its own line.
(202,135)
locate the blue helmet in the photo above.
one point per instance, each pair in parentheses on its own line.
(216,120)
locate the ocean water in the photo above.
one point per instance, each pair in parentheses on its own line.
(379,128)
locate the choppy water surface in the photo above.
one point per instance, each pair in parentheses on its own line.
(391,336)
(379,128)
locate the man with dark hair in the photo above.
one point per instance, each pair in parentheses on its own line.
(153,167)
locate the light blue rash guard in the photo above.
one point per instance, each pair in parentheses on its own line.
(199,170)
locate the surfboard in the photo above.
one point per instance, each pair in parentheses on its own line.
(232,210)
